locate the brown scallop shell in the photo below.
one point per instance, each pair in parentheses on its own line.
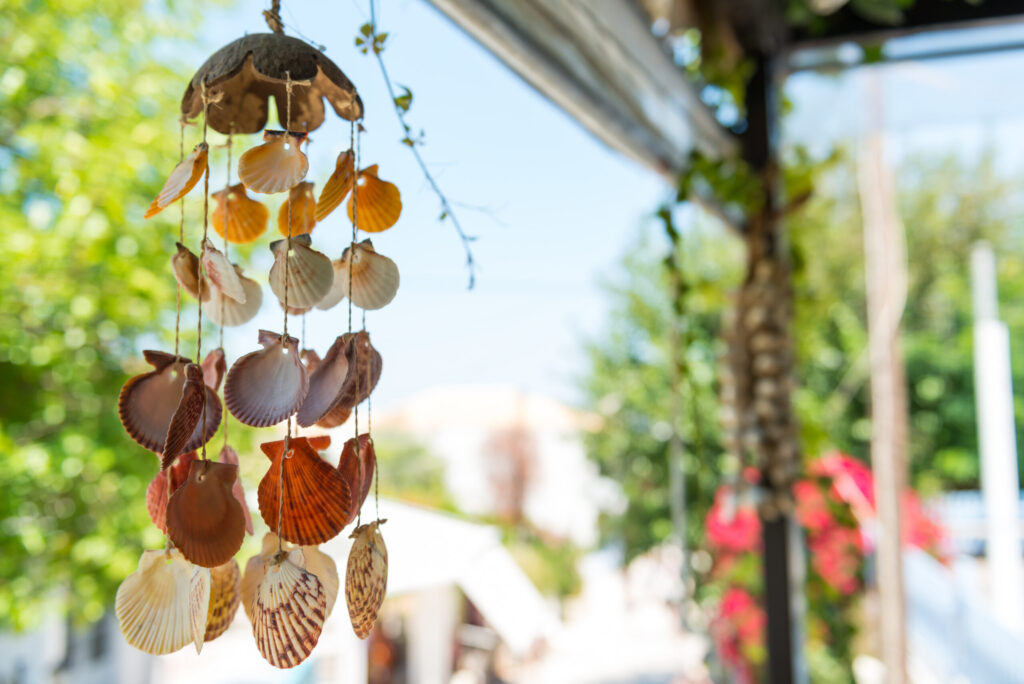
(265,387)
(242,75)
(148,402)
(187,416)
(230,456)
(366,577)
(335,417)
(237,216)
(225,311)
(311,359)
(225,595)
(337,186)
(156,493)
(303,210)
(182,179)
(204,519)
(352,465)
(221,273)
(374,278)
(186,269)
(316,497)
(379,202)
(289,612)
(365,365)
(325,384)
(276,165)
(310,274)
(214,367)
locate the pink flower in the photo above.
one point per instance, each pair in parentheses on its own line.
(731,527)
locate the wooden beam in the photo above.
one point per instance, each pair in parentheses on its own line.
(600,62)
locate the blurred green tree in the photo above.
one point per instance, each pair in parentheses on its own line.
(89,128)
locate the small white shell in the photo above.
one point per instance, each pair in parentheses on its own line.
(309,272)
(221,273)
(288,617)
(228,312)
(276,165)
(374,278)
(264,387)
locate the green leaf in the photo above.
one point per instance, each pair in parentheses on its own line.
(404,101)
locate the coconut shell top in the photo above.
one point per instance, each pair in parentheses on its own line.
(241,76)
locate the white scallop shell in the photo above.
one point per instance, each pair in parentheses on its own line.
(221,274)
(228,312)
(325,569)
(374,278)
(309,272)
(265,387)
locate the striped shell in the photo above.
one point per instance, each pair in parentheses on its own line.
(204,520)
(378,203)
(366,577)
(156,493)
(302,206)
(326,570)
(337,186)
(228,312)
(148,402)
(325,383)
(265,387)
(276,165)
(374,278)
(237,216)
(256,568)
(186,416)
(182,179)
(157,605)
(289,613)
(185,266)
(225,595)
(316,497)
(310,274)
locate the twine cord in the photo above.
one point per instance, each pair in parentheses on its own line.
(206,225)
(227,217)
(287,260)
(181,239)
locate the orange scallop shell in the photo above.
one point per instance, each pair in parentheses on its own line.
(337,186)
(237,216)
(148,402)
(225,595)
(317,499)
(325,384)
(303,210)
(265,387)
(351,465)
(276,165)
(204,520)
(182,179)
(379,203)
(156,493)
(230,456)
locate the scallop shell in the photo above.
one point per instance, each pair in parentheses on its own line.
(310,274)
(364,369)
(289,612)
(325,384)
(264,387)
(221,273)
(204,520)
(156,605)
(230,456)
(182,179)
(352,465)
(276,165)
(303,210)
(148,401)
(227,312)
(237,217)
(256,568)
(379,202)
(214,367)
(374,278)
(316,497)
(185,265)
(326,570)
(225,595)
(311,359)
(187,416)
(366,577)
(156,493)
(337,186)
(295,310)
(335,417)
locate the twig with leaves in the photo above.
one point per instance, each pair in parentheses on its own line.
(369,41)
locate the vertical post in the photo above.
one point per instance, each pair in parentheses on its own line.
(886,281)
(997,440)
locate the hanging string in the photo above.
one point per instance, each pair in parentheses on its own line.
(303,331)
(288,204)
(227,217)
(206,227)
(354,147)
(181,239)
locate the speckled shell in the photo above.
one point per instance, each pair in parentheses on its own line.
(326,570)
(353,464)
(156,493)
(303,210)
(204,520)
(185,266)
(186,417)
(157,605)
(224,310)
(337,186)
(237,216)
(265,387)
(316,497)
(276,165)
(255,569)
(230,456)
(148,401)
(225,595)
(182,179)
(221,273)
(374,278)
(366,577)
(325,384)
(289,613)
(379,203)
(310,274)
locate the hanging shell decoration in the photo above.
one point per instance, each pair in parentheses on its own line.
(190,591)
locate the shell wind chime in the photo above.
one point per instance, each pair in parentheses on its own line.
(189,591)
